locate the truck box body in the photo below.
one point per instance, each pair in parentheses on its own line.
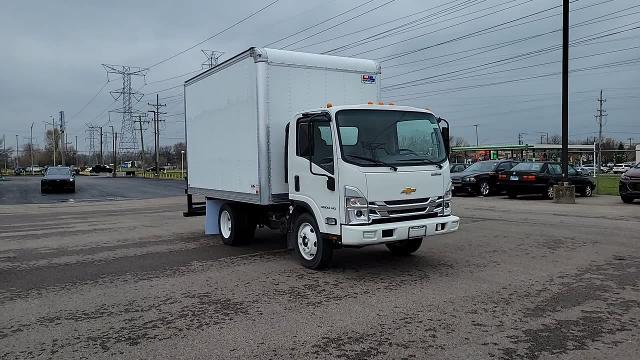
(236,113)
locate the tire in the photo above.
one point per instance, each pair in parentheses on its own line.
(483,188)
(588,191)
(43,190)
(230,224)
(405,247)
(512,195)
(626,199)
(312,250)
(548,194)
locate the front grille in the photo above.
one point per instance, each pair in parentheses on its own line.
(634,186)
(403,208)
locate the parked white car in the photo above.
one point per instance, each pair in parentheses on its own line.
(587,170)
(621,168)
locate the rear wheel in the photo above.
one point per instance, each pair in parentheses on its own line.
(232,225)
(588,191)
(548,194)
(405,247)
(512,194)
(313,251)
(626,199)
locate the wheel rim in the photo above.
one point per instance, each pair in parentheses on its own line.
(550,192)
(225,224)
(484,189)
(307,241)
(588,191)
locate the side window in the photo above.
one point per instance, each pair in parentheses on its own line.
(303,148)
(504,166)
(572,171)
(555,169)
(322,146)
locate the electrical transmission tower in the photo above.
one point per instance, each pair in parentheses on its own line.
(212,58)
(601,113)
(128,141)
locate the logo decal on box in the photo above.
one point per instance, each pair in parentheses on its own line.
(368,79)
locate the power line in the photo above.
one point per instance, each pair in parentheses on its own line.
(216,34)
(467,36)
(90,100)
(338,24)
(398,30)
(451,9)
(320,23)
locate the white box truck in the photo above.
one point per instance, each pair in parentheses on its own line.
(264,151)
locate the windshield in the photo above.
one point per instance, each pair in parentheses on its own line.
(527,166)
(482,166)
(397,138)
(58,171)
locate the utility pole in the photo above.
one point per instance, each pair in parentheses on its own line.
(113,140)
(630,144)
(519,138)
(53,135)
(599,116)
(565,90)
(64,141)
(476,125)
(17,153)
(4,152)
(541,136)
(140,121)
(101,157)
(31,147)
(156,130)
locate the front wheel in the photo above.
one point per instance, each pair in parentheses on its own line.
(483,188)
(626,199)
(313,251)
(405,247)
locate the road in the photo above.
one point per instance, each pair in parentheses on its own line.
(522,279)
(26,189)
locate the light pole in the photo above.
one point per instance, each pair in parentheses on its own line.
(476,125)
(31,148)
(182,163)
(17,153)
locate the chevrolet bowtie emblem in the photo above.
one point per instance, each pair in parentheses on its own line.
(408,190)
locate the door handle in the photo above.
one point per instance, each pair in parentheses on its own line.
(296,182)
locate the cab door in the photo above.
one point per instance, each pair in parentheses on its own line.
(312,170)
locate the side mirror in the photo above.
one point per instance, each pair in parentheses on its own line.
(331,183)
(445,138)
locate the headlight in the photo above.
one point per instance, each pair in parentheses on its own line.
(624,177)
(469,179)
(356,206)
(72,179)
(447,194)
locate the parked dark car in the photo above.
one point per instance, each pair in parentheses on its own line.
(96,169)
(481,178)
(629,185)
(540,177)
(153,169)
(58,178)
(19,171)
(457,167)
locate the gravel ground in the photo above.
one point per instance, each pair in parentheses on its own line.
(131,279)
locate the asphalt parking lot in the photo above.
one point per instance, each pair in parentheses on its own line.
(131,279)
(26,189)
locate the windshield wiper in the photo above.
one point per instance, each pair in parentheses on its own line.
(373,161)
(423,160)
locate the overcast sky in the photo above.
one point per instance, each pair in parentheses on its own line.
(52,53)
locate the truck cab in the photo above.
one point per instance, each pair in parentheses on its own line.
(363,175)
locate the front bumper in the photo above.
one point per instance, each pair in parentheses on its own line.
(630,188)
(361,235)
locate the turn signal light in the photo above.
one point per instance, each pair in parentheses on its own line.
(370,103)
(529,178)
(329,105)
(381,103)
(392,103)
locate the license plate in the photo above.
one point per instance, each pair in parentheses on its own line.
(513,178)
(417,231)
